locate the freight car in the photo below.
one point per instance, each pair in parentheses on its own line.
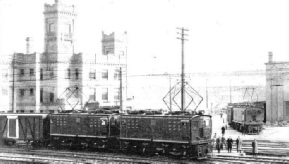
(183,135)
(247,117)
(24,128)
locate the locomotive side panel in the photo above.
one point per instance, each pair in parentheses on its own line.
(238,114)
(172,128)
(83,125)
(201,128)
(135,127)
(254,116)
(229,115)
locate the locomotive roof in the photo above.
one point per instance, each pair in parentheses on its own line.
(169,116)
(24,114)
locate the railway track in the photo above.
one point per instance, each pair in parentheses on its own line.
(277,149)
(246,159)
(53,156)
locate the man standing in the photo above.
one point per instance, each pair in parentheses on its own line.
(223,130)
(223,142)
(239,144)
(229,144)
(218,144)
(255,147)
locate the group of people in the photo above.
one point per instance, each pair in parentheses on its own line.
(220,143)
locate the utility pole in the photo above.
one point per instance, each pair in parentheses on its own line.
(183,67)
(13,85)
(207,96)
(230,92)
(120,89)
(170,93)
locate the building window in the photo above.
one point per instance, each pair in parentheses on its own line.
(76,74)
(105,74)
(116,94)
(41,95)
(51,97)
(31,91)
(68,74)
(31,72)
(51,27)
(31,111)
(21,72)
(41,74)
(117,74)
(92,74)
(92,94)
(104,93)
(51,72)
(286,103)
(22,92)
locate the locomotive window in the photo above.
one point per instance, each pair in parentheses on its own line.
(153,122)
(103,122)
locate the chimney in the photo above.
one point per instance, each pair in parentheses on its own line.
(29,45)
(270,57)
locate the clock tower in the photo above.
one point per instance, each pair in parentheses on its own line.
(59,29)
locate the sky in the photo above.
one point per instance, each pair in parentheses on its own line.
(223,36)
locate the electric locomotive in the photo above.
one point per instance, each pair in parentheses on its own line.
(247,117)
(181,134)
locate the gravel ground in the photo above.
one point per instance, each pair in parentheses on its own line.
(268,133)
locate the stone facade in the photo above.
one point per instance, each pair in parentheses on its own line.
(58,79)
(277,91)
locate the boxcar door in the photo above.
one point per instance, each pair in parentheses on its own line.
(13,127)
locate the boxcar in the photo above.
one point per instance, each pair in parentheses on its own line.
(84,130)
(27,128)
(184,135)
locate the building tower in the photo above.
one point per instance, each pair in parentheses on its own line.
(57,74)
(114,53)
(59,29)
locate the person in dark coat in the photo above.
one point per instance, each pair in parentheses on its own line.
(218,144)
(230,144)
(239,144)
(223,142)
(255,147)
(223,130)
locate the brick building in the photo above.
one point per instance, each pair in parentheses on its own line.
(277,91)
(58,78)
